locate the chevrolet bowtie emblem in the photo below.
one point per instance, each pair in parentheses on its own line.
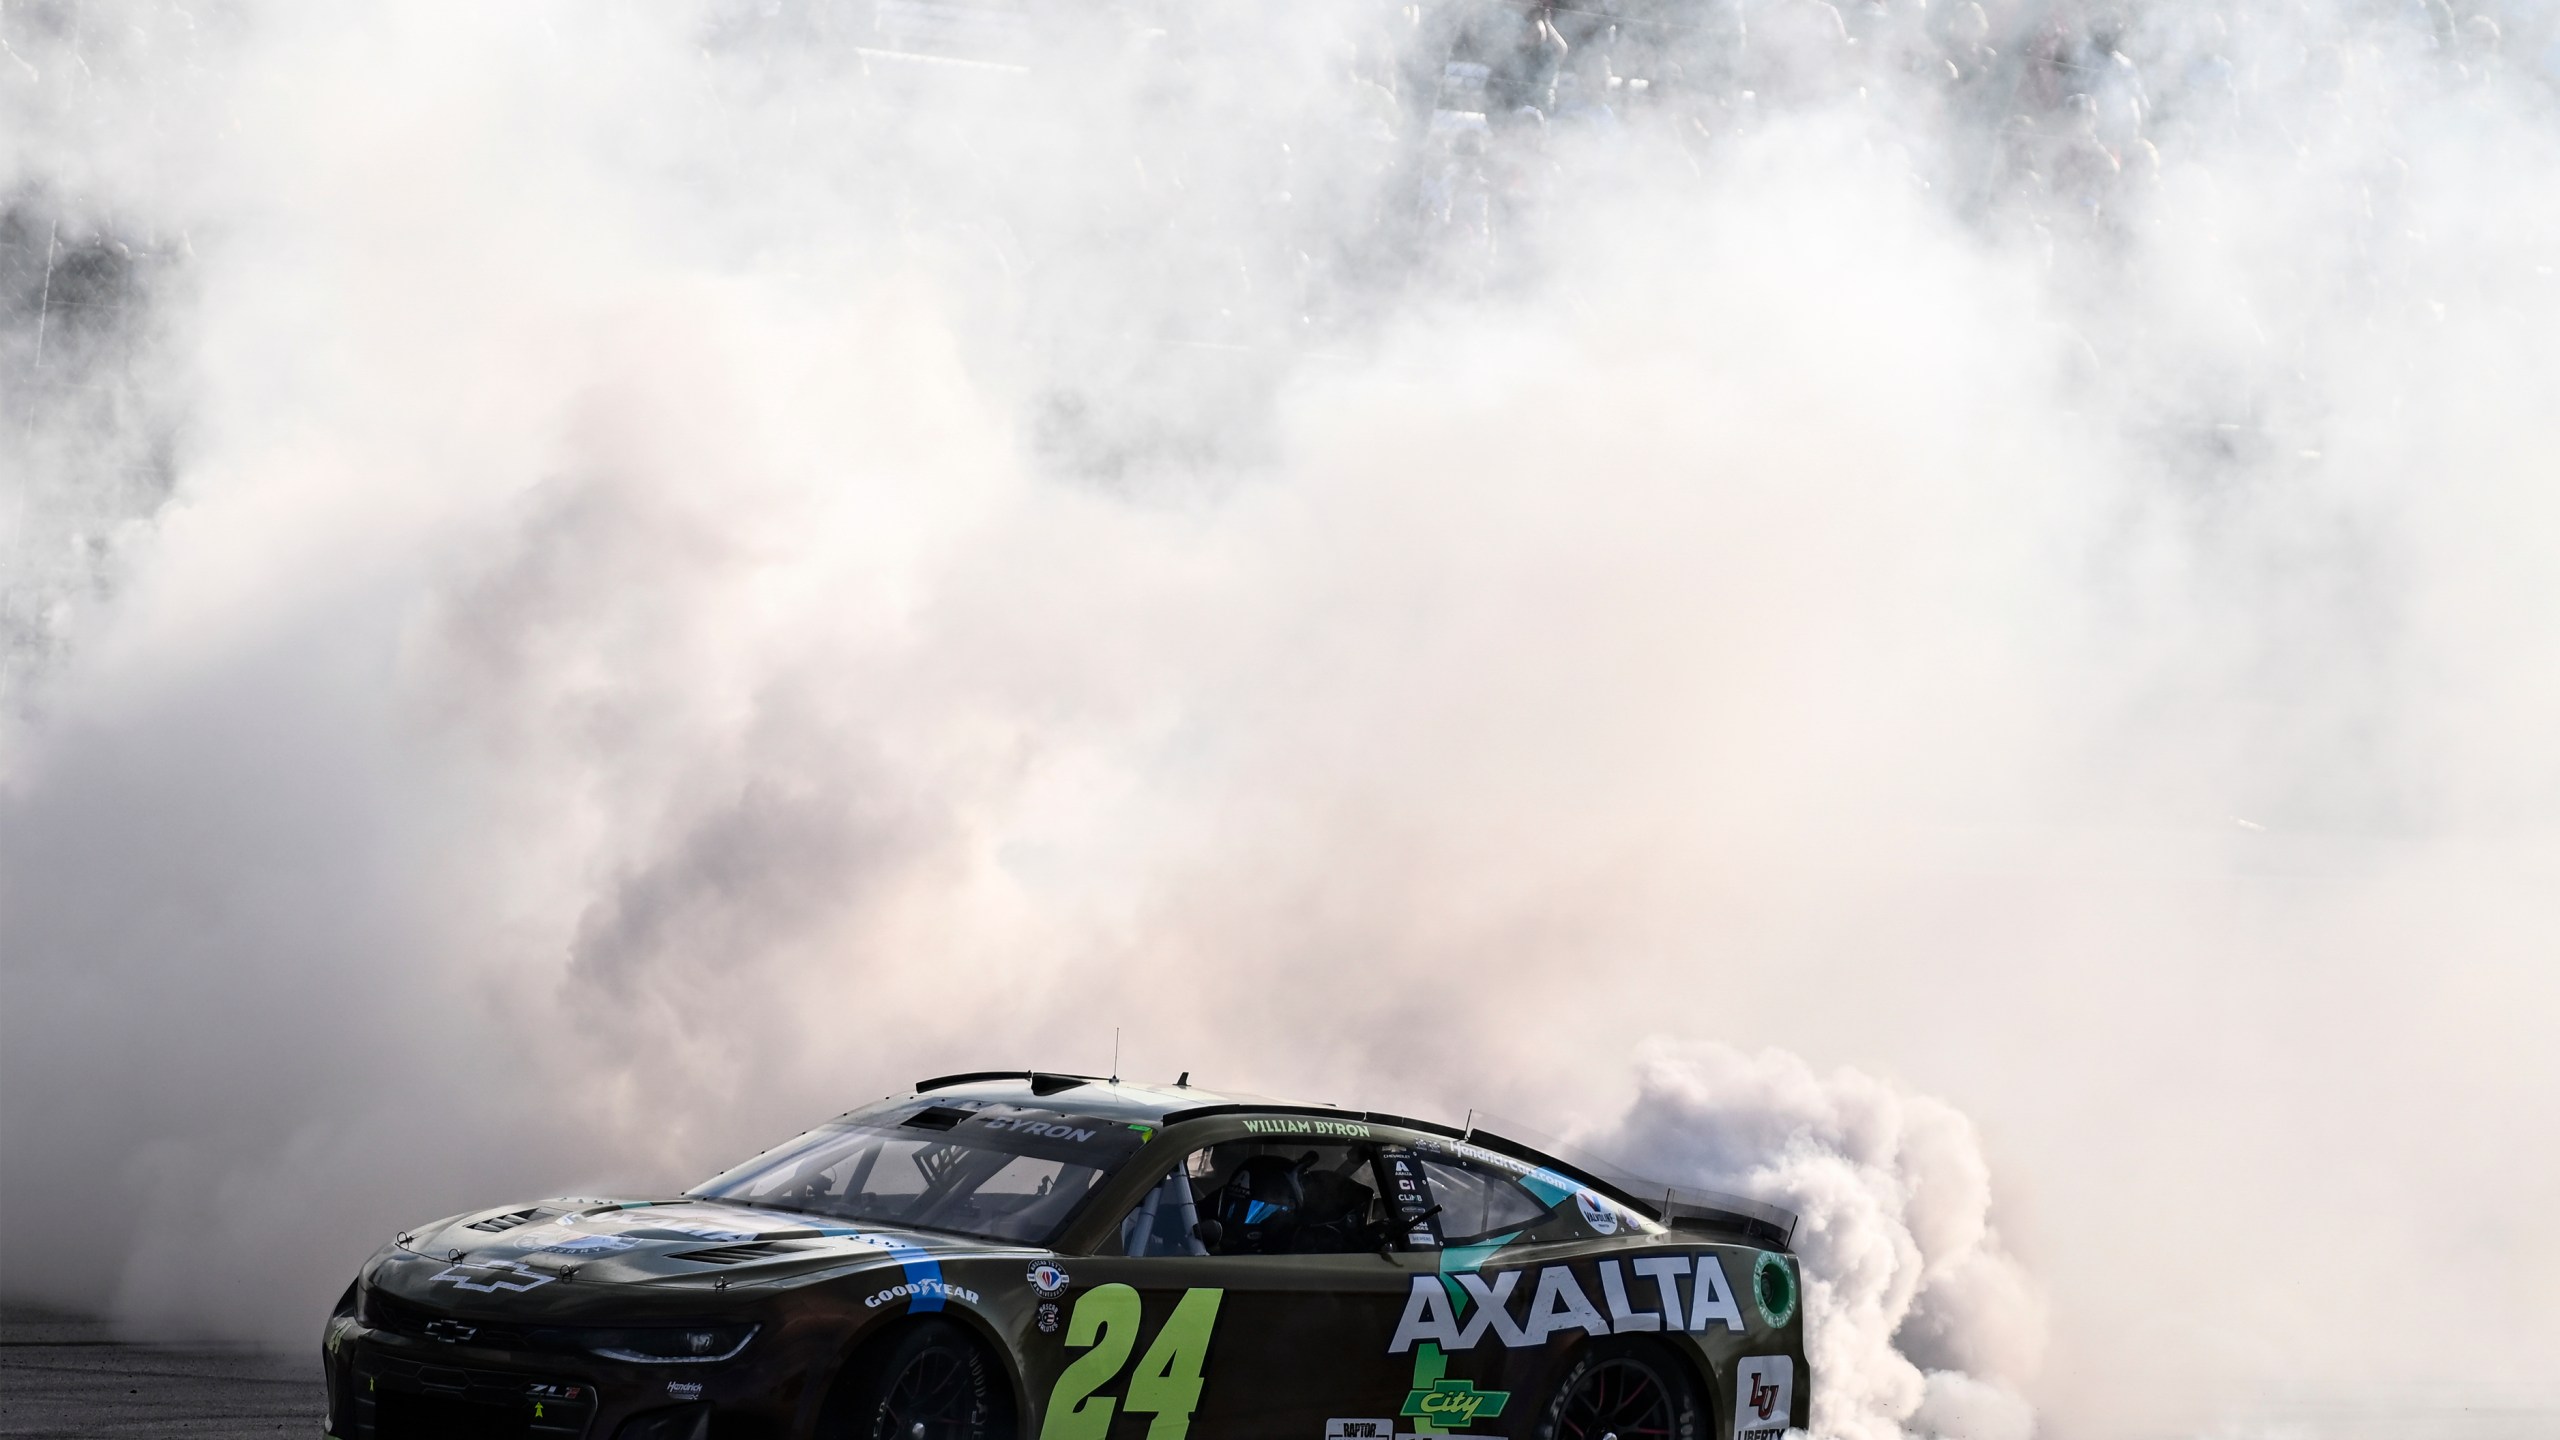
(451,1331)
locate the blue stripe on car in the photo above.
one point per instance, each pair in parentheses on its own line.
(924,1274)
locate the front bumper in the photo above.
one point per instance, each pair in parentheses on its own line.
(387,1386)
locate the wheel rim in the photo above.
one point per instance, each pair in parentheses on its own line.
(934,1398)
(1623,1398)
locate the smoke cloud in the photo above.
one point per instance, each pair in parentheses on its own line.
(1919,1319)
(587,584)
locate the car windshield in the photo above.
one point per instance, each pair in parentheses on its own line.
(998,1172)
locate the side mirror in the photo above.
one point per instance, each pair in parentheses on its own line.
(1210,1233)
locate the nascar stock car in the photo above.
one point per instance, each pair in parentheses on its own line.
(1029,1256)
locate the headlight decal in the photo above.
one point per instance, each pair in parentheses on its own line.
(672,1345)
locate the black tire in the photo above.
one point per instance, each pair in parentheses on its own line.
(1629,1389)
(929,1380)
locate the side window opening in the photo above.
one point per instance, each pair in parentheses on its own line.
(1286,1197)
(1477,1202)
(1260,1197)
(1166,1221)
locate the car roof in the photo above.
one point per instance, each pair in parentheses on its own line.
(1104,1098)
(1094,1095)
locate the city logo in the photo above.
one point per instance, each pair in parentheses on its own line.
(1438,1405)
(1454,1404)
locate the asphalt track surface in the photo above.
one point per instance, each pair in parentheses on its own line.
(65,1376)
(61,1375)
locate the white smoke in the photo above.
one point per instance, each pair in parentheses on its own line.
(1919,1321)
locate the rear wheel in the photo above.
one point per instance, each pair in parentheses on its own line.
(929,1382)
(1624,1391)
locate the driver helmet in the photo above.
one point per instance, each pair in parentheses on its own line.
(1258,1207)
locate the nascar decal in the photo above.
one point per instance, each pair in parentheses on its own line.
(918,1288)
(1764,1389)
(1166,1383)
(1410,1197)
(1456,1312)
(1438,1405)
(1047,1279)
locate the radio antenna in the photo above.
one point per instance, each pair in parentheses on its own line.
(1115,1054)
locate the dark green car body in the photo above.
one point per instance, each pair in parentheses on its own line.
(1433,1283)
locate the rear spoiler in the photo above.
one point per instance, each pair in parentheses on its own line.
(1677,1206)
(1714,1210)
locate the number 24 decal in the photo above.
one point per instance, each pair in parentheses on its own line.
(1167,1382)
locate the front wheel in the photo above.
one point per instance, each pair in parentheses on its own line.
(1624,1391)
(930,1382)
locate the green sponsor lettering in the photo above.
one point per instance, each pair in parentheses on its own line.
(1437,1404)
(1106,1321)
(1167,1382)
(1168,1379)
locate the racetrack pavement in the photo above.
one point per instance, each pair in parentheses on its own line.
(64,1376)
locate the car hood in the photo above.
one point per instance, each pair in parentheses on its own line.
(479,1260)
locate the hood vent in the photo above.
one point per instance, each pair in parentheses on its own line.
(508,1221)
(734,1254)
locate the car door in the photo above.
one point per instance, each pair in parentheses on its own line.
(1241,1327)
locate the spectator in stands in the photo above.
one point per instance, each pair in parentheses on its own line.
(2115,85)
(1526,62)
(1969,53)
(1583,99)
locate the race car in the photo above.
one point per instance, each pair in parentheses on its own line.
(1032,1256)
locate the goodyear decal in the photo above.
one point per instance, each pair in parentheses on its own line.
(916,1290)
